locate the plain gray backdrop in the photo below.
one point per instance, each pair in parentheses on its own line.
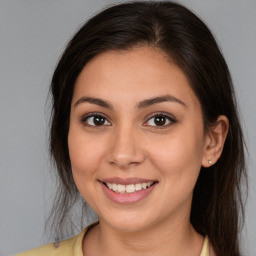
(33,34)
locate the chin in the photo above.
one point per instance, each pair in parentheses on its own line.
(129,222)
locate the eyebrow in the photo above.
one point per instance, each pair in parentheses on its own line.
(159,99)
(143,104)
(95,101)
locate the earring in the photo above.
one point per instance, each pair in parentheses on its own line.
(210,161)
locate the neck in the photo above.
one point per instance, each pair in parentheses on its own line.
(161,239)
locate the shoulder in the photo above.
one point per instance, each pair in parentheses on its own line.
(207,249)
(71,246)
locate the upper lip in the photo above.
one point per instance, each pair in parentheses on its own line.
(126,181)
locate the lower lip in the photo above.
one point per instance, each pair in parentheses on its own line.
(128,198)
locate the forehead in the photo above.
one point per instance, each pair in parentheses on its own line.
(141,72)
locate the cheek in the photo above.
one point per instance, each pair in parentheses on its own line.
(179,163)
(179,158)
(85,155)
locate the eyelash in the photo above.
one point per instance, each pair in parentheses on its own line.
(95,114)
(166,117)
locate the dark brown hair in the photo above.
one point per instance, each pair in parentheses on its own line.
(217,200)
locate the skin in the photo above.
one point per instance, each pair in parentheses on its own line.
(130,144)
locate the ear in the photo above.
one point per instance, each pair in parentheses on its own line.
(215,140)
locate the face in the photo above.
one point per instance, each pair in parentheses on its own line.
(136,138)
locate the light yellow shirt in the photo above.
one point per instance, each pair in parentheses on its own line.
(73,247)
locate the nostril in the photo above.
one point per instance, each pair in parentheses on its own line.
(124,149)
(125,160)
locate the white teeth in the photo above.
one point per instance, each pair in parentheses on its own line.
(138,187)
(130,188)
(114,187)
(120,188)
(110,185)
(144,185)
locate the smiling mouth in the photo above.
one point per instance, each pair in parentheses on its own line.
(129,188)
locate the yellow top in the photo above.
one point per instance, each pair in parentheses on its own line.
(73,247)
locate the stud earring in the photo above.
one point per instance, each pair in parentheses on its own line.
(210,161)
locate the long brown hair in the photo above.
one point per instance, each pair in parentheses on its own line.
(217,201)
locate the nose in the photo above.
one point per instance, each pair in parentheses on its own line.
(125,149)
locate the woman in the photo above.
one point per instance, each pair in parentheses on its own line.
(145,129)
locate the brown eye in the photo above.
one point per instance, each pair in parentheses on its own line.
(95,120)
(98,120)
(160,120)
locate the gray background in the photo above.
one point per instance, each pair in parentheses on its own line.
(32,36)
